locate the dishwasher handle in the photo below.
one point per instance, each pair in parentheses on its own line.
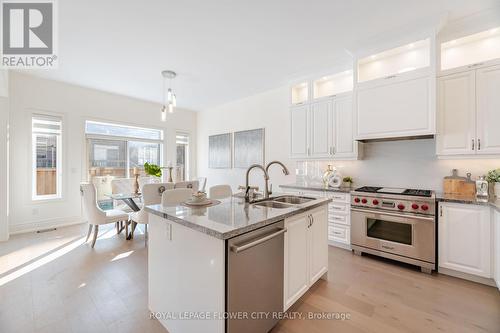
(241,248)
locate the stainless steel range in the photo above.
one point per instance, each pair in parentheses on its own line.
(395,223)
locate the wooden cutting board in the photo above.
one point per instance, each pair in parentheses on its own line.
(459,186)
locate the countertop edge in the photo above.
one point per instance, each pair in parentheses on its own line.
(493,204)
(242,230)
(318,188)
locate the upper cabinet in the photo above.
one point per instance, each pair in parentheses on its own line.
(470,51)
(395,93)
(299,93)
(393,62)
(323,127)
(468,98)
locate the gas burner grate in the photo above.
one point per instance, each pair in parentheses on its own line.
(370,189)
(418,193)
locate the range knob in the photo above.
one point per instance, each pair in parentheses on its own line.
(357,200)
(401,206)
(375,202)
(414,206)
(424,207)
(364,200)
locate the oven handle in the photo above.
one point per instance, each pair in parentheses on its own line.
(430,219)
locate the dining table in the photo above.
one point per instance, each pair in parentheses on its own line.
(128,199)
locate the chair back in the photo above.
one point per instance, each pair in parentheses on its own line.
(192,184)
(91,211)
(148,180)
(220,192)
(202,183)
(175,196)
(152,193)
(122,185)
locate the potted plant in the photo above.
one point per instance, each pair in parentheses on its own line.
(152,170)
(493,176)
(348,181)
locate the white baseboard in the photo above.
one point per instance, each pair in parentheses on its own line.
(340,245)
(466,276)
(44,224)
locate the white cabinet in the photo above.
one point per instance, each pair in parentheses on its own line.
(457,114)
(318,245)
(496,252)
(468,112)
(339,219)
(488,110)
(296,259)
(465,239)
(397,106)
(306,253)
(299,129)
(342,122)
(321,113)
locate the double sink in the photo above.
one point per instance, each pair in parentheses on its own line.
(283,201)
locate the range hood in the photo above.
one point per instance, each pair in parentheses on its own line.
(401,138)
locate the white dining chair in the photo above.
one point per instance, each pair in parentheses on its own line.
(176,196)
(220,192)
(202,184)
(151,195)
(94,215)
(192,184)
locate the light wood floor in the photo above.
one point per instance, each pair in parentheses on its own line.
(52,282)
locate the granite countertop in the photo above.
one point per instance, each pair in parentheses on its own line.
(317,187)
(472,200)
(230,218)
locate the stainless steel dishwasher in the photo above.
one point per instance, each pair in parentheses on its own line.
(254,288)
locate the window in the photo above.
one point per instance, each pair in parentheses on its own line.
(46,149)
(115,150)
(182,143)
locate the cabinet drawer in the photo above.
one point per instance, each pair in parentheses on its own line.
(338,208)
(339,233)
(339,218)
(338,197)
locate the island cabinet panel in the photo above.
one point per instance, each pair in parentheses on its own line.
(181,281)
(496,252)
(306,252)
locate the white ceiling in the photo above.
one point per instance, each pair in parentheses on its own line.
(222,50)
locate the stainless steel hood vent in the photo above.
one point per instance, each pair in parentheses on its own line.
(402,138)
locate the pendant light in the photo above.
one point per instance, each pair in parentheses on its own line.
(169,98)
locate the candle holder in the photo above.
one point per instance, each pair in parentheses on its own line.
(136,184)
(170,174)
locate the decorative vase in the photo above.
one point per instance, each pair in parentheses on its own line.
(497,189)
(326,175)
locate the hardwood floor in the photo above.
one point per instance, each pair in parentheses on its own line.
(52,282)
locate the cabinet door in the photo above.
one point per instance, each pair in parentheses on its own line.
(496,253)
(320,128)
(344,145)
(398,107)
(464,239)
(299,133)
(488,110)
(296,279)
(456,114)
(318,244)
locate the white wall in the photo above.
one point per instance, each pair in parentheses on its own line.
(4,120)
(268,110)
(29,94)
(399,163)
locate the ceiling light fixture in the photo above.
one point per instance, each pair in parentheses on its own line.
(169,98)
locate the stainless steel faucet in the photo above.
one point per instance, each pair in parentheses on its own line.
(266,179)
(285,171)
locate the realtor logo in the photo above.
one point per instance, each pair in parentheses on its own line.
(28,32)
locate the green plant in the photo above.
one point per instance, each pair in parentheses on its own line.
(348,180)
(493,176)
(152,169)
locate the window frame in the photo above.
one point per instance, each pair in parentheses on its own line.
(126,139)
(188,152)
(59,161)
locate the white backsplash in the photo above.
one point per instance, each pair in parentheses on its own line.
(409,164)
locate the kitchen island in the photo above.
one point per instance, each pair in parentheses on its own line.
(235,266)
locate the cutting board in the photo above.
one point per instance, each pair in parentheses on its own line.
(459,186)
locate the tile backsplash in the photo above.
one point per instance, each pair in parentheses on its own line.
(411,164)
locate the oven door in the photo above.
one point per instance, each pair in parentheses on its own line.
(404,235)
